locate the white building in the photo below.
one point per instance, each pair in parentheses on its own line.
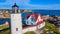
(16,20)
(35,23)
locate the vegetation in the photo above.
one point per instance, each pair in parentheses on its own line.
(49,28)
(5,32)
(4,26)
(4,29)
(23,25)
(31,32)
(6,14)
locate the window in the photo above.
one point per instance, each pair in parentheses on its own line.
(16,29)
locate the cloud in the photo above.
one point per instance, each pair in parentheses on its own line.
(25,4)
(47,7)
(8,4)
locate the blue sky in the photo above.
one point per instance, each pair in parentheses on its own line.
(31,4)
(45,2)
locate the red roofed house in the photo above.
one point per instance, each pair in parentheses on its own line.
(34,21)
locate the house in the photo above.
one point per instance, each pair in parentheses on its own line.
(31,21)
(34,22)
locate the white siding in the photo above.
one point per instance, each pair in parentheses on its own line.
(16,24)
(41,25)
(29,29)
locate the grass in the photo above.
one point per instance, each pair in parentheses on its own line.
(5,32)
(4,26)
(50,27)
(5,29)
(31,32)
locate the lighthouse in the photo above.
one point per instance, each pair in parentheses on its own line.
(16,20)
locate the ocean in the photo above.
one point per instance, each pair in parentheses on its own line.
(3,20)
(48,12)
(42,12)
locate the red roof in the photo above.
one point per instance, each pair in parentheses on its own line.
(38,23)
(34,15)
(28,16)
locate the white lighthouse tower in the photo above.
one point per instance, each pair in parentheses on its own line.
(16,20)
